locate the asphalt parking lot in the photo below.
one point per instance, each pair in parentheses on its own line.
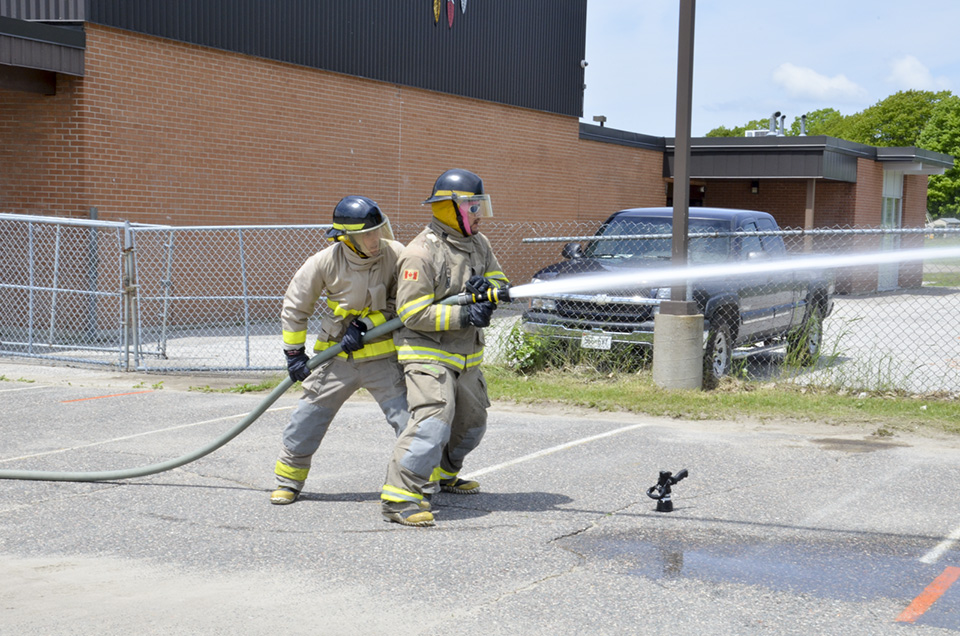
(781,528)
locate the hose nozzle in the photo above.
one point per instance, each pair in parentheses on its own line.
(493,295)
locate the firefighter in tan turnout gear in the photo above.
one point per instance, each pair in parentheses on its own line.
(441,348)
(358,275)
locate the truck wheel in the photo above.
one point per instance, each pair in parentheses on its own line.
(717,355)
(803,345)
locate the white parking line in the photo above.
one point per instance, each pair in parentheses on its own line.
(941,548)
(554,449)
(24,388)
(159,430)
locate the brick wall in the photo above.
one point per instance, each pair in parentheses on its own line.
(165,132)
(784,199)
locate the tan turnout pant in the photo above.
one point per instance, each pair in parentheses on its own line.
(324,392)
(448,413)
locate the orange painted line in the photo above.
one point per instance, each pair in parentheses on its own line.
(929,596)
(100,397)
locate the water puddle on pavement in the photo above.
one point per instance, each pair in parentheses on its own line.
(851,567)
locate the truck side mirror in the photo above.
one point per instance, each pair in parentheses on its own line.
(756,256)
(572,251)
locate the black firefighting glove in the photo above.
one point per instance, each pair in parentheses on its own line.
(297,364)
(477,285)
(477,314)
(351,340)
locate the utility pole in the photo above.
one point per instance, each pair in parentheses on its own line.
(678,328)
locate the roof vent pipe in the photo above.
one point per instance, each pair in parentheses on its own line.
(783,126)
(803,125)
(773,123)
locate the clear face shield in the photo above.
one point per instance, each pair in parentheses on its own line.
(472,208)
(366,242)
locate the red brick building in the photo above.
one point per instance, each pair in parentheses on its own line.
(161,114)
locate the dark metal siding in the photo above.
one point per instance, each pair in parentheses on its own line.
(44,10)
(523,53)
(40,46)
(816,157)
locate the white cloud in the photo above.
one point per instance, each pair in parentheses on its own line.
(806,83)
(908,72)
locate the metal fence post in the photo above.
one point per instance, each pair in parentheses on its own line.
(32,286)
(130,330)
(167,284)
(53,297)
(93,265)
(246,298)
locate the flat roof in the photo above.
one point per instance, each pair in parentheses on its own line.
(776,157)
(33,46)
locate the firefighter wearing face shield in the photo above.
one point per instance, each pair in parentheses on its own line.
(441,348)
(357,274)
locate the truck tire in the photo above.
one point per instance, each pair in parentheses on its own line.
(717,355)
(803,345)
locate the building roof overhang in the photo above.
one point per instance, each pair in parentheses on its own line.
(31,53)
(776,157)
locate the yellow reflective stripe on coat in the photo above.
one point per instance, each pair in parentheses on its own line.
(474,359)
(497,279)
(443,317)
(376,318)
(414,306)
(296,474)
(323,346)
(371,350)
(340,311)
(390,493)
(375,349)
(294,337)
(407,353)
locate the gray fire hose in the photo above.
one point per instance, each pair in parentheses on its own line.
(142,471)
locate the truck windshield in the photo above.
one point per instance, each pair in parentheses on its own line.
(700,250)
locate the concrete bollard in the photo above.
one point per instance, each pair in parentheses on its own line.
(678,351)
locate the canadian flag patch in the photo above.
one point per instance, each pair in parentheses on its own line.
(411,274)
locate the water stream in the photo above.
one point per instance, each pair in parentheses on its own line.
(675,275)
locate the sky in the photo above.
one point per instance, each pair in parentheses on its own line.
(753,58)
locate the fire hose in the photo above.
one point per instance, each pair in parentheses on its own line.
(492,295)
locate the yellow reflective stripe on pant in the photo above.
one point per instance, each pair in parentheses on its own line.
(440,474)
(407,353)
(397,495)
(296,474)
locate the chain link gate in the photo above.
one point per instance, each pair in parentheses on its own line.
(171,299)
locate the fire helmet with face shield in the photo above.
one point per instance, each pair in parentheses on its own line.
(359,224)
(458,200)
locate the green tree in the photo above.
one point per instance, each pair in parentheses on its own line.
(826,121)
(740,131)
(941,133)
(897,120)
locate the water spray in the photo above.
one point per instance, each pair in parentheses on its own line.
(661,491)
(675,275)
(502,295)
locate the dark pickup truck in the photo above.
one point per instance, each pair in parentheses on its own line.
(742,315)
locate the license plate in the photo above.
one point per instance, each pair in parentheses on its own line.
(596,341)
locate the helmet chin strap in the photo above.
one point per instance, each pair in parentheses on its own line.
(353,248)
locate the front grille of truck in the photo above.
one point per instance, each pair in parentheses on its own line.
(606,312)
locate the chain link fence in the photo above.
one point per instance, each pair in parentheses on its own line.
(165,299)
